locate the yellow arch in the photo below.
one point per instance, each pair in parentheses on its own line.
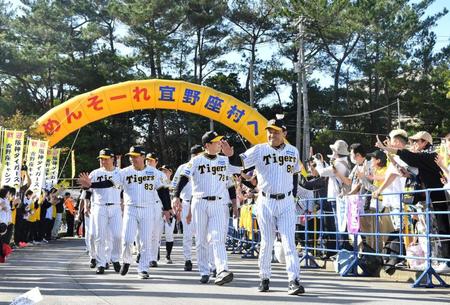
(92,106)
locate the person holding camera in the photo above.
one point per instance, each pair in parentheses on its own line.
(336,172)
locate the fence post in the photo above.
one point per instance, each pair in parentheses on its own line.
(310,262)
(429,272)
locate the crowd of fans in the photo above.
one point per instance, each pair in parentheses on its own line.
(28,219)
(381,176)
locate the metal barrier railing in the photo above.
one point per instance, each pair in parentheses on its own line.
(314,237)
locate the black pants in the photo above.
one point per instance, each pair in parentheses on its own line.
(20,230)
(6,238)
(70,223)
(47,228)
(35,234)
(443,228)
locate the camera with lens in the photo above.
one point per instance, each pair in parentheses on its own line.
(317,156)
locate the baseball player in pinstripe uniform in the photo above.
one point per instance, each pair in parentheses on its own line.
(277,166)
(210,197)
(89,227)
(182,214)
(106,213)
(142,189)
(152,160)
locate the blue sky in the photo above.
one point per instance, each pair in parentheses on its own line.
(442,30)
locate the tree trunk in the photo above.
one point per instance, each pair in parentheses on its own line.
(196,56)
(252,85)
(337,74)
(388,100)
(200,57)
(161,136)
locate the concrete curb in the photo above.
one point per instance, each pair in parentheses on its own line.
(400,275)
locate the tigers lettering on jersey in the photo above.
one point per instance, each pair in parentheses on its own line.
(275,167)
(211,169)
(104,178)
(138,179)
(281,160)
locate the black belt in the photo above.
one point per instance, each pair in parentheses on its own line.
(277,196)
(211,198)
(108,204)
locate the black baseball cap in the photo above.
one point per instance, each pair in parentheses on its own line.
(196,149)
(378,154)
(105,153)
(136,151)
(211,137)
(277,124)
(151,155)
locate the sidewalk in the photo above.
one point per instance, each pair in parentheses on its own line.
(62,273)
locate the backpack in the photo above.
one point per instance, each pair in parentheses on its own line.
(413,183)
(371,264)
(343,188)
(392,247)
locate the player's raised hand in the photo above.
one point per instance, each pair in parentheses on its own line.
(227,149)
(84,180)
(379,144)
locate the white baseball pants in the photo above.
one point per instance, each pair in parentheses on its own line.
(140,220)
(209,221)
(273,214)
(108,232)
(188,230)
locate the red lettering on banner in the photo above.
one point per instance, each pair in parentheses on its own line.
(138,92)
(94,103)
(70,115)
(49,127)
(118,97)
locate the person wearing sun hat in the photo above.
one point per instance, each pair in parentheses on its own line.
(337,173)
(429,173)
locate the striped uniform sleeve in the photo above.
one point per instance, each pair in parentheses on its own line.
(185,175)
(163,191)
(176,177)
(297,167)
(250,157)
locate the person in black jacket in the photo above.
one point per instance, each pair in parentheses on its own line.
(430,174)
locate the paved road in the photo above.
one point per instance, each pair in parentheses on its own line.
(61,271)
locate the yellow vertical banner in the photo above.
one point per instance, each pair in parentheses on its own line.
(36,162)
(52,165)
(12,151)
(73,163)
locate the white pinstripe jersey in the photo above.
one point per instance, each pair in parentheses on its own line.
(186,193)
(275,167)
(104,195)
(139,187)
(208,176)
